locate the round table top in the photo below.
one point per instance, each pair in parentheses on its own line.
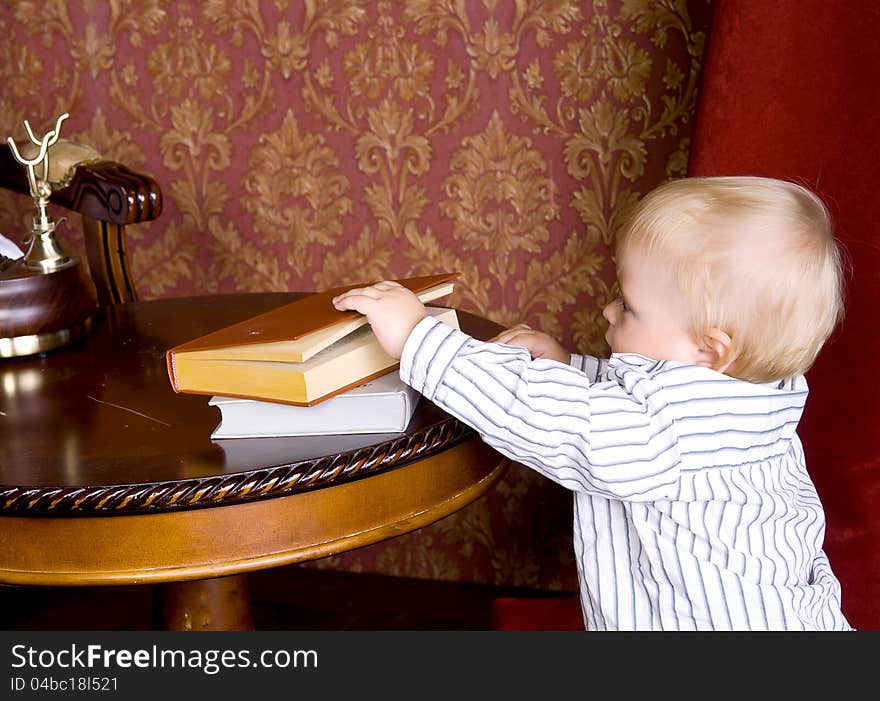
(96,429)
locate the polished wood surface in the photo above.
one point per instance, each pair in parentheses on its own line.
(218,604)
(109,477)
(37,302)
(235,539)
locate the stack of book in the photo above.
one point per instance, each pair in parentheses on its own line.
(304,368)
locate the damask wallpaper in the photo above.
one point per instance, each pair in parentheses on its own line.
(302,144)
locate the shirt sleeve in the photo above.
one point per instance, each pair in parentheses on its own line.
(598,437)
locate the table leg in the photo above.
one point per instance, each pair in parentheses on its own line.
(221,603)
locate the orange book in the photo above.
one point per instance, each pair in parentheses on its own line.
(300,353)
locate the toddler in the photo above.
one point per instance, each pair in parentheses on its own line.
(693,508)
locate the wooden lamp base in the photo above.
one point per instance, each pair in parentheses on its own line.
(41,311)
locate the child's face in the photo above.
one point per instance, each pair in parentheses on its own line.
(649,318)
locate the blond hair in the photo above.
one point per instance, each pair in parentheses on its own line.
(754,257)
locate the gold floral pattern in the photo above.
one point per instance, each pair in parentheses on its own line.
(304,144)
(296,194)
(498,169)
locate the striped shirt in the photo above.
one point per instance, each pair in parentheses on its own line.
(693,509)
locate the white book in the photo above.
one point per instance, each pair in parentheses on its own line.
(383,405)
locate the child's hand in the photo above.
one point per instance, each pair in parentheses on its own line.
(391,309)
(538,343)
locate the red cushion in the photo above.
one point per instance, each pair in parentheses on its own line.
(551,613)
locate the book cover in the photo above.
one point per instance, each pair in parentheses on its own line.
(348,362)
(298,330)
(383,405)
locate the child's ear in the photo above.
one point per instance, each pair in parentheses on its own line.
(716,350)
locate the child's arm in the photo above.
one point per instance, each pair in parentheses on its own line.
(540,413)
(393,312)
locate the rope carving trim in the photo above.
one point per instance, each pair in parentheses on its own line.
(238,487)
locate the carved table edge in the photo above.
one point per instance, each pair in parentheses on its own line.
(234,488)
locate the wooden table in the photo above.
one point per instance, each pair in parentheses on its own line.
(108,477)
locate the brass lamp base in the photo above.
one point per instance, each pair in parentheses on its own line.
(41,311)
